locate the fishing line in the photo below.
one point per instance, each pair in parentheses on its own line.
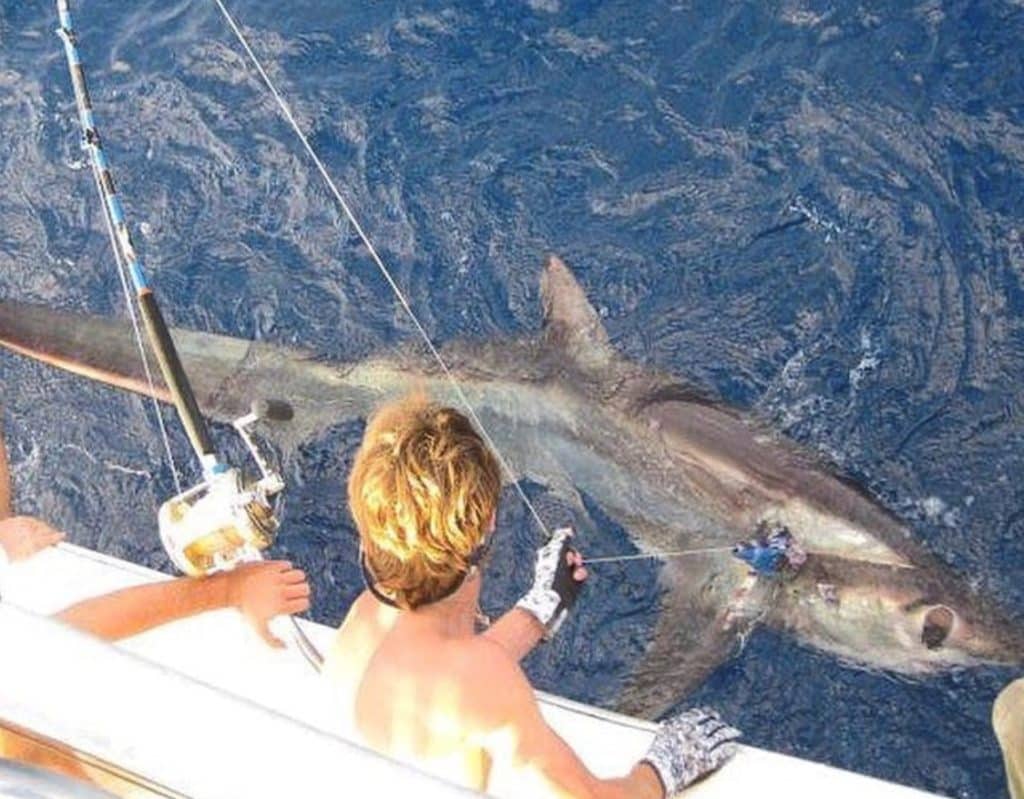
(121,273)
(681,553)
(286,110)
(676,553)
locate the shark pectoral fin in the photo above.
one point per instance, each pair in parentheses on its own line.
(570,321)
(693,636)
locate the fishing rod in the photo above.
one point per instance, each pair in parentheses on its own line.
(226,519)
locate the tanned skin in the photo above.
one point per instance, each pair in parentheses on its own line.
(421,686)
(260,591)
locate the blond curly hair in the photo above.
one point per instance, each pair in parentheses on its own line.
(423,491)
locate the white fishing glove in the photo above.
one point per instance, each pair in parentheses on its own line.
(689,746)
(554,590)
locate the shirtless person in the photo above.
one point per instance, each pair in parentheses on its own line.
(415,681)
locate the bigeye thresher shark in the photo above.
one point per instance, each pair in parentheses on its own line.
(676,470)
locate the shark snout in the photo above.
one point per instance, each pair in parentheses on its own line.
(911,620)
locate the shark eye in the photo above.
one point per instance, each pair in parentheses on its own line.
(938,622)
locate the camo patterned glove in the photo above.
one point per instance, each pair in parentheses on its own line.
(689,746)
(554,588)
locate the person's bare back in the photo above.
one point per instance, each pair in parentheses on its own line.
(411,677)
(413,688)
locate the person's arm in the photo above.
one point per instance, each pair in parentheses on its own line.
(259,590)
(23,536)
(529,757)
(558,578)
(517,632)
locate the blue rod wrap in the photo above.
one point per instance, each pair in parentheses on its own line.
(92,143)
(138,278)
(159,335)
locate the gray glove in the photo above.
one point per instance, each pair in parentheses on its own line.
(554,589)
(689,746)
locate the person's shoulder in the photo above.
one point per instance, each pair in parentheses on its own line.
(364,605)
(367,611)
(480,652)
(493,683)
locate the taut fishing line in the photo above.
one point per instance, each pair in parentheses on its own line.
(675,553)
(122,268)
(286,110)
(365,239)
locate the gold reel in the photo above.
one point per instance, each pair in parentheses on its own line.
(217,525)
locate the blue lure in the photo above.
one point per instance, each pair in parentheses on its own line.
(772,552)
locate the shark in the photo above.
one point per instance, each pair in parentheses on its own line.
(677,469)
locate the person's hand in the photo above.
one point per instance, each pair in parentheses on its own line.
(558,578)
(690,746)
(262,591)
(21,537)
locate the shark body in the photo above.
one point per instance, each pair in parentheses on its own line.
(675,469)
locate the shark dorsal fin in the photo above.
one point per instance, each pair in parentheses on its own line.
(570,321)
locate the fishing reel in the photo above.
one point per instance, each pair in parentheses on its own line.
(226,520)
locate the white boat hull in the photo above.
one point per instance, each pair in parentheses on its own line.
(204,708)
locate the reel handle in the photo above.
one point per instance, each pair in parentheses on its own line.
(287,629)
(272,410)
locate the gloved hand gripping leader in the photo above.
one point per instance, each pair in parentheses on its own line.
(689,746)
(554,588)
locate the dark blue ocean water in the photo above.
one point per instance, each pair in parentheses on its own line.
(811,208)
